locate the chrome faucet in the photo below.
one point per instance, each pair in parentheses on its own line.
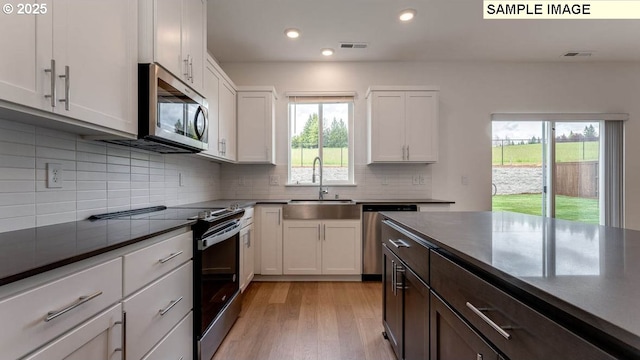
(321,191)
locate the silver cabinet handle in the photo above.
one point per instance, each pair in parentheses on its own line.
(171,305)
(249,238)
(52,70)
(324,232)
(407,152)
(81,300)
(162,261)
(393,277)
(278,217)
(67,88)
(186,67)
(191,68)
(489,322)
(123,335)
(399,243)
(318,232)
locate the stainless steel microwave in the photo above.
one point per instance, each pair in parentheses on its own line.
(172,117)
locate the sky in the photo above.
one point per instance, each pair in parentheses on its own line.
(527,129)
(331,111)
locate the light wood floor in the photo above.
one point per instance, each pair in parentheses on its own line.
(308,320)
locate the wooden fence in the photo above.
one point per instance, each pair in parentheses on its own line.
(577,179)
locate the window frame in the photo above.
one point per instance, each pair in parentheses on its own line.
(320,100)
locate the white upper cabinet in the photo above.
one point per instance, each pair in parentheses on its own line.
(220,93)
(227,120)
(256,124)
(75,59)
(173,34)
(402,124)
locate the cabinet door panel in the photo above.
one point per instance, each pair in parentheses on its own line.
(254,126)
(416,317)
(25,55)
(452,338)
(98,41)
(227,120)
(270,221)
(211,93)
(341,248)
(387,126)
(302,248)
(178,344)
(193,43)
(168,35)
(392,301)
(421,126)
(248,258)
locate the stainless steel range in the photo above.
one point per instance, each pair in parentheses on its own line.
(216,272)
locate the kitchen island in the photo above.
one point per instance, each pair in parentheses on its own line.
(584,278)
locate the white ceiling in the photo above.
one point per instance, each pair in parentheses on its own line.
(443,30)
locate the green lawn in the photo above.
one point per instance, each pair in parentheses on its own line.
(330,157)
(568,208)
(532,153)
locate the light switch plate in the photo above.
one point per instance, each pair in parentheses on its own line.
(416,180)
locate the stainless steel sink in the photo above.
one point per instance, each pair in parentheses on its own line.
(324,201)
(310,209)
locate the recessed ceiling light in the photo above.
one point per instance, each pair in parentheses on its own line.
(292,33)
(407,15)
(327,52)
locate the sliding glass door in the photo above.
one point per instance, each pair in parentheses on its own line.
(548,168)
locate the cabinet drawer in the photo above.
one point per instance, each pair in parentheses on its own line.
(403,244)
(146,325)
(145,265)
(24,326)
(98,338)
(532,336)
(178,344)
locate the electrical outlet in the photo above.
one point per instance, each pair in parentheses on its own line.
(385,180)
(240,181)
(181,179)
(421,179)
(54,175)
(416,180)
(274,180)
(464,180)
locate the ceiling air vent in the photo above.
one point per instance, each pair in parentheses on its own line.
(353,45)
(577,53)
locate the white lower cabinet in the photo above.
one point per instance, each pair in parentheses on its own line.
(177,345)
(269,224)
(322,247)
(247,256)
(97,339)
(156,309)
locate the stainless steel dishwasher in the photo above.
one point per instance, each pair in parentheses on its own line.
(371,238)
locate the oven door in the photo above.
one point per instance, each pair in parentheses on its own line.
(217,286)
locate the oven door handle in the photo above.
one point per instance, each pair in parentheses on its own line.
(219,237)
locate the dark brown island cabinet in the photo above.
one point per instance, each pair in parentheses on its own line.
(435,308)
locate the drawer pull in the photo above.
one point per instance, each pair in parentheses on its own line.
(399,243)
(489,322)
(171,305)
(162,261)
(81,300)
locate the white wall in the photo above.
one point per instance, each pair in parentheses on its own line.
(470,92)
(98,177)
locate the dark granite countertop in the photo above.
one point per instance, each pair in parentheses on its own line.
(588,271)
(251,202)
(28,252)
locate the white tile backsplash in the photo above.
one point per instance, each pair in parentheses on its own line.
(97,177)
